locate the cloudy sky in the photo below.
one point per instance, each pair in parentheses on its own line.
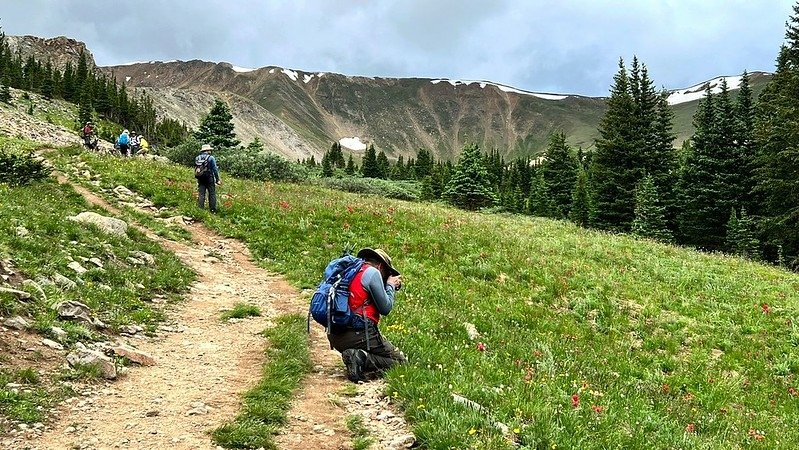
(560,46)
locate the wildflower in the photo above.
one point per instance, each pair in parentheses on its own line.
(284,204)
(756,434)
(665,388)
(765,308)
(472,431)
(792,391)
(597,408)
(350,209)
(690,428)
(575,401)
(517,430)
(481,346)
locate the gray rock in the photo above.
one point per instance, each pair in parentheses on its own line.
(58,333)
(16,323)
(130,329)
(22,231)
(93,358)
(22,295)
(109,225)
(144,256)
(72,310)
(64,282)
(96,262)
(52,344)
(74,265)
(38,288)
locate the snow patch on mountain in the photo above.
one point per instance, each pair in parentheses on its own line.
(291,74)
(241,69)
(501,87)
(353,143)
(307,77)
(698,91)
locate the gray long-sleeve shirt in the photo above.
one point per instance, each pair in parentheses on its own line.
(381,294)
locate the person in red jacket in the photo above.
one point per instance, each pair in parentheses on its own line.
(363,349)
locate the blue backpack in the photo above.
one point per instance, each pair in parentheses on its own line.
(123,139)
(330,304)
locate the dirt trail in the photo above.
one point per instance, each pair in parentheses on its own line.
(203,365)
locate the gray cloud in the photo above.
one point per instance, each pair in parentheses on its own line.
(567,46)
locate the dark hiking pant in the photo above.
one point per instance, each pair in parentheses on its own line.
(210,187)
(124,149)
(381,355)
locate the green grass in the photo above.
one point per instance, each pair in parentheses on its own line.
(27,402)
(240,311)
(587,340)
(265,406)
(360,434)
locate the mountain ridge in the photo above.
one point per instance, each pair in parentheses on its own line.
(299,114)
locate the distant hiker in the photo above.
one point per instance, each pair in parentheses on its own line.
(135,143)
(371,291)
(207,175)
(144,146)
(89,139)
(123,143)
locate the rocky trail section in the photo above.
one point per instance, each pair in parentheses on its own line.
(203,365)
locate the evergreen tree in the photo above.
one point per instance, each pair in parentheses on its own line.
(744,139)
(650,217)
(741,236)
(216,128)
(383,166)
(327,166)
(540,203)
(423,165)
(470,185)
(614,171)
(48,87)
(85,105)
(5,91)
(350,169)
(559,170)
(336,156)
(580,207)
(369,167)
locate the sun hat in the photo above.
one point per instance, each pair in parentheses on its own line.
(368,253)
(206,148)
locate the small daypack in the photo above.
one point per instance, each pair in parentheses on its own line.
(330,304)
(201,169)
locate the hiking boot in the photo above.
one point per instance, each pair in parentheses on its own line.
(354,361)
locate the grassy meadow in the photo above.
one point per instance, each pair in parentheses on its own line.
(583,339)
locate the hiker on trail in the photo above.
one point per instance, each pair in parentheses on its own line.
(144,146)
(135,143)
(207,174)
(89,140)
(123,143)
(371,291)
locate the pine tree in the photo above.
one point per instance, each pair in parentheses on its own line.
(540,203)
(741,238)
(423,165)
(559,170)
(216,128)
(614,171)
(350,169)
(85,105)
(5,90)
(327,166)
(383,165)
(369,167)
(470,185)
(48,87)
(745,118)
(580,207)
(650,217)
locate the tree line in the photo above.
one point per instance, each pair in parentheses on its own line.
(96,95)
(732,187)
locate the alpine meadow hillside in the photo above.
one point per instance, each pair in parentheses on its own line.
(578,273)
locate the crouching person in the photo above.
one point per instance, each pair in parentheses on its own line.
(365,350)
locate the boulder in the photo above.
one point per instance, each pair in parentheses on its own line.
(133,355)
(109,225)
(22,295)
(72,310)
(87,357)
(16,323)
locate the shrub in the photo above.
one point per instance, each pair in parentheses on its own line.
(261,166)
(185,152)
(400,190)
(18,168)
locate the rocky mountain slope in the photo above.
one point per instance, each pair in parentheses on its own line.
(300,114)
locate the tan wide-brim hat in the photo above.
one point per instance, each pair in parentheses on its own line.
(206,148)
(368,253)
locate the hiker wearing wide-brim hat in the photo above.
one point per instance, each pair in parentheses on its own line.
(207,174)
(372,292)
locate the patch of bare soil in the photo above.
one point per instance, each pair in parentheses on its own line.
(204,365)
